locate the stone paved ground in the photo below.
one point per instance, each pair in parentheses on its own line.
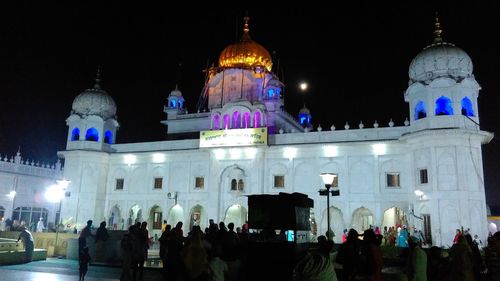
(63,270)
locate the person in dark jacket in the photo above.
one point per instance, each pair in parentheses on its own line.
(83,260)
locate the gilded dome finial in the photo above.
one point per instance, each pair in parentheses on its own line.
(437,29)
(97,78)
(246,29)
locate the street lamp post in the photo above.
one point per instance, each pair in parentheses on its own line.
(55,193)
(328,179)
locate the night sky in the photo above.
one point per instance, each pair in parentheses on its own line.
(355,60)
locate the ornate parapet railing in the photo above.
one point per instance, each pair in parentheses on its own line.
(26,167)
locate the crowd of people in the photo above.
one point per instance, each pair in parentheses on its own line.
(212,254)
(219,253)
(360,258)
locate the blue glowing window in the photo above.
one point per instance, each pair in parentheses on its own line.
(420,111)
(270,93)
(92,135)
(443,106)
(467,107)
(180,104)
(75,134)
(304,119)
(173,103)
(108,137)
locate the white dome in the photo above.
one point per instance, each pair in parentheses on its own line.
(176,92)
(440,59)
(304,110)
(94,102)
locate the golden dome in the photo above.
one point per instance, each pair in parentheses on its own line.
(245,53)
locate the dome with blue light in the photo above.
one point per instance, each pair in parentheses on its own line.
(440,59)
(94,101)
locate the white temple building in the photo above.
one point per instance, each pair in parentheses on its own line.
(426,173)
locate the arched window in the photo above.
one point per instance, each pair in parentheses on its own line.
(236,119)
(443,106)
(256,119)
(216,122)
(420,111)
(234,184)
(304,119)
(270,93)
(180,104)
(226,121)
(108,137)
(246,120)
(92,135)
(241,185)
(467,107)
(75,134)
(173,103)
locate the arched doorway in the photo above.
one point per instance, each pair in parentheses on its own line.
(336,223)
(155,221)
(394,217)
(236,214)
(135,215)
(175,215)
(115,221)
(362,219)
(197,217)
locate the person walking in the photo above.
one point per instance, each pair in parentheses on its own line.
(27,238)
(83,260)
(40,226)
(86,232)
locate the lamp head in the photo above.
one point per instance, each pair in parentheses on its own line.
(328,178)
(63,183)
(54,193)
(12,194)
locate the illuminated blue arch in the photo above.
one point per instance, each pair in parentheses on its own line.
(92,135)
(420,111)
(443,106)
(304,119)
(270,93)
(467,109)
(75,134)
(173,103)
(108,137)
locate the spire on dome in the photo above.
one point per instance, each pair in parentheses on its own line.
(246,29)
(437,29)
(97,78)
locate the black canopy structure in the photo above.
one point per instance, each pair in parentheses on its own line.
(282,211)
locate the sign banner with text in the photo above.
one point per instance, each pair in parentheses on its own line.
(233,137)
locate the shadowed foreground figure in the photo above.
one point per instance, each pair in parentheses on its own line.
(27,238)
(314,266)
(83,260)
